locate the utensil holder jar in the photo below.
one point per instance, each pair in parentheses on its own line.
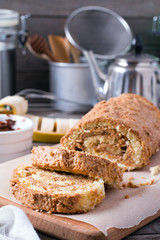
(73,83)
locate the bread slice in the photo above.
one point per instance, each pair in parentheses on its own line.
(44,190)
(124,129)
(61,159)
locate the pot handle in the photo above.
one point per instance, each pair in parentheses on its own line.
(99,79)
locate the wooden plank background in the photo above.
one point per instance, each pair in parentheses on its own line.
(49,17)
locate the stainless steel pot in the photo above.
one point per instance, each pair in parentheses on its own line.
(73,83)
(78,83)
(139,74)
(92,30)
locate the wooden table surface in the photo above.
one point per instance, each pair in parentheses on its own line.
(150,231)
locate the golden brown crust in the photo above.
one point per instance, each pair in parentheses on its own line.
(67,194)
(76,162)
(132,114)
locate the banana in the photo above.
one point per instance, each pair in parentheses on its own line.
(47,124)
(36,121)
(72,122)
(50,129)
(18,104)
(62,125)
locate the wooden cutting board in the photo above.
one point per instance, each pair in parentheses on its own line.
(64,227)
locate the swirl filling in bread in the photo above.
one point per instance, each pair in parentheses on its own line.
(61,159)
(44,190)
(124,129)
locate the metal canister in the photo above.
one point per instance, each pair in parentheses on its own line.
(9,21)
(10,36)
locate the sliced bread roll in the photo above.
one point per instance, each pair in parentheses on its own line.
(44,190)
(60,159)
(124,129)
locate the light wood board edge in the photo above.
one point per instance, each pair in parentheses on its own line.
(69,229)
(60,227)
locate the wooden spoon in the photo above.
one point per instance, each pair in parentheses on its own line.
(59,47)
(75,52)
(41,56)
(39,45)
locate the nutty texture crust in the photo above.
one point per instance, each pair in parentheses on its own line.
(76,162)
(43,190)
(124,129)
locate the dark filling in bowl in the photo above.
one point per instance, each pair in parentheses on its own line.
(7,125)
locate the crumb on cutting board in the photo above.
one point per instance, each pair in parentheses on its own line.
(132,185)
(149,182)
(155,170)
(126,196)
(131,178)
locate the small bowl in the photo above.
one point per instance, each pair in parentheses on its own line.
(17,142)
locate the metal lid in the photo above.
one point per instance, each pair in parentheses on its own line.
(136,58)
(8,18)
(100,30)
